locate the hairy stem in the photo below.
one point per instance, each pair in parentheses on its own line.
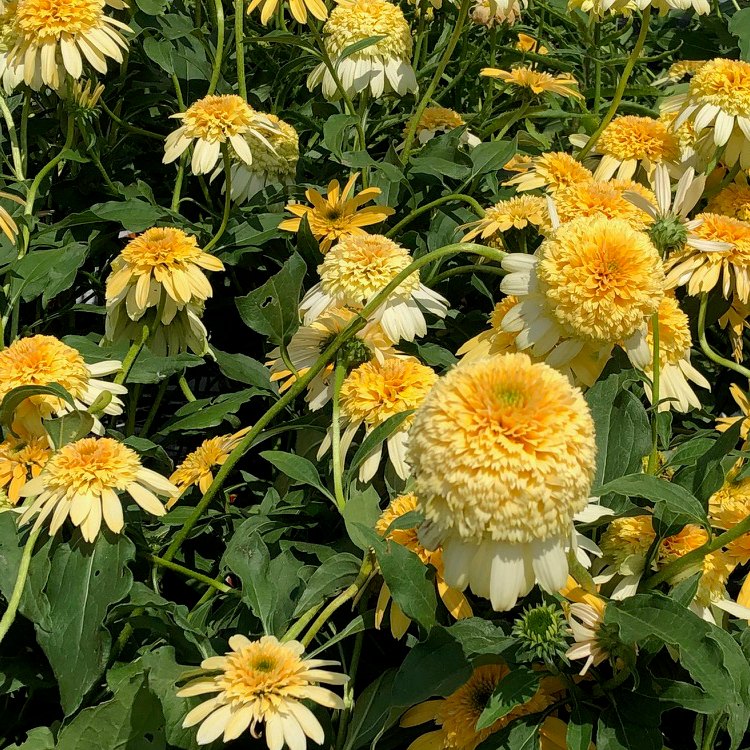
(23,571)
(338,460)
(227,198)
(707,350)
(216,72)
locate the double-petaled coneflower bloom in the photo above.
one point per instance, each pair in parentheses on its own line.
(592,284)
(608,199)
(309,342)
(382,67)
(454,601)
(675,370)
(535,81)
(339,214)
(52,39)
(491,13)
(299,9)
(742,401)
(21,460)
(371,394)
(513,213)
(211,123)
(551,171)
(457,715)
(527,43)
(625,544)
(436,120)
(197,468)
(717,104)
(357,269)
(585,616)
(43,360)
(495,340)
(503,455)
(274,161)
(702,270)
(679,70)
(83,480)
(161,272)
(629,142)
(733,200)
(726,508)
(262,682)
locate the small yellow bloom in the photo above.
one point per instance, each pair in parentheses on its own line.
(514,213)
(337,215)
(441,120)
(552,171)
(585,616)
(299,8)
(491,13)
(724,423)
(83,481)
(733,200)
(538,82)
(527,43)
(21,461)
(726,508)
(494,341)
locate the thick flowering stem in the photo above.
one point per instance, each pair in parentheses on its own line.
(706,348)
(621,85)
(348,593)
(23,572)
(302,623)
(463,13)
(216,72)
(195,575)
(653,459)
(417,212)
(301,383)
(132,355)
(239,45)
(338,460)
(185,388)
(227,199)
(13,136)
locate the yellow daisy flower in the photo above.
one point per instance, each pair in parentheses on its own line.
(726,508)
(299,9)
(436,120)
(585,616)
(527,43)
(742,401)
(371,394)
(337,215)
(383,67)
(492,13)
(262,682)
(454,601)
(679,70)
(212,122)
(83,480)
(551,171)
(625,544)
(733,200)
(514,213)
(55,38)
(503,456)
(197,467)
(21,461)
(494,341)
(42,360)
(537,81)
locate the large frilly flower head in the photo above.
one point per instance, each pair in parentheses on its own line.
(83,481)
(436,120)
(52,39)
(212,122)
(359,267)
(537,82)
(382,67)
(503,455)
(551,171)
(43,360)
(517,212)
(262,682)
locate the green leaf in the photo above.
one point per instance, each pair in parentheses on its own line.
(674,506)
(133,214)
(479,637)
(491,156)
(381,433)
(46,272)
(361,510)
(739,26)
(629,723)
(84,581)
(352,49)
(517,687)
(373,711)
(244,369)
(332,577)
(197,415)
(40,738)
(580,727)
(273,309)
(336,133)
(15,396)
(69,427)
(409,520)
(522,734)
(298,469)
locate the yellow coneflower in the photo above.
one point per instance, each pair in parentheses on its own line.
(625,544)
(492,13)
(726,508)
(677,71)
(496,340)
(436,120)
(299,9)
(503,455)
(735,321)
(371,394)
(585,616)
(382,67)
(552,171)
(536,81)
(42,360)
(55,38)
(212,122)
(197,468)
(527,43)
(457,715)
(337,215)
(309,341)
(355,270)
(514,213)
(733,200)
(262,682)
(742,401)
(21,461)
(83,481)
(454,601)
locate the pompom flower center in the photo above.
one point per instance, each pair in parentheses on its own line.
(47,18)
(216,118)
(166,248)
(725,84)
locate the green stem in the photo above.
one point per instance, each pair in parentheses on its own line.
(302,623)
(227,198)
(194,574)
(582,576)
(417,212)
(25,111)
(348,593)
(13,135)
(653,459)
(23,571)
(239,43)
(152,412)
(178,92)
(135,396)
(339,374)
(623,82)
(476,268)
(131,356)
(127,126)
(216,73)
(707,350)
(711,730)
(442,65)
(177,192)
(596,50)
(301,383)
(185,388)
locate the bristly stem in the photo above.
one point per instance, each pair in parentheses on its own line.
(417,212)
(132,355)
(622,84)
(706,348)
(227,198)
(339,374)
(653,459)
(13,136)
(216,72)
(23,572)
(239,44)
(195,575)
